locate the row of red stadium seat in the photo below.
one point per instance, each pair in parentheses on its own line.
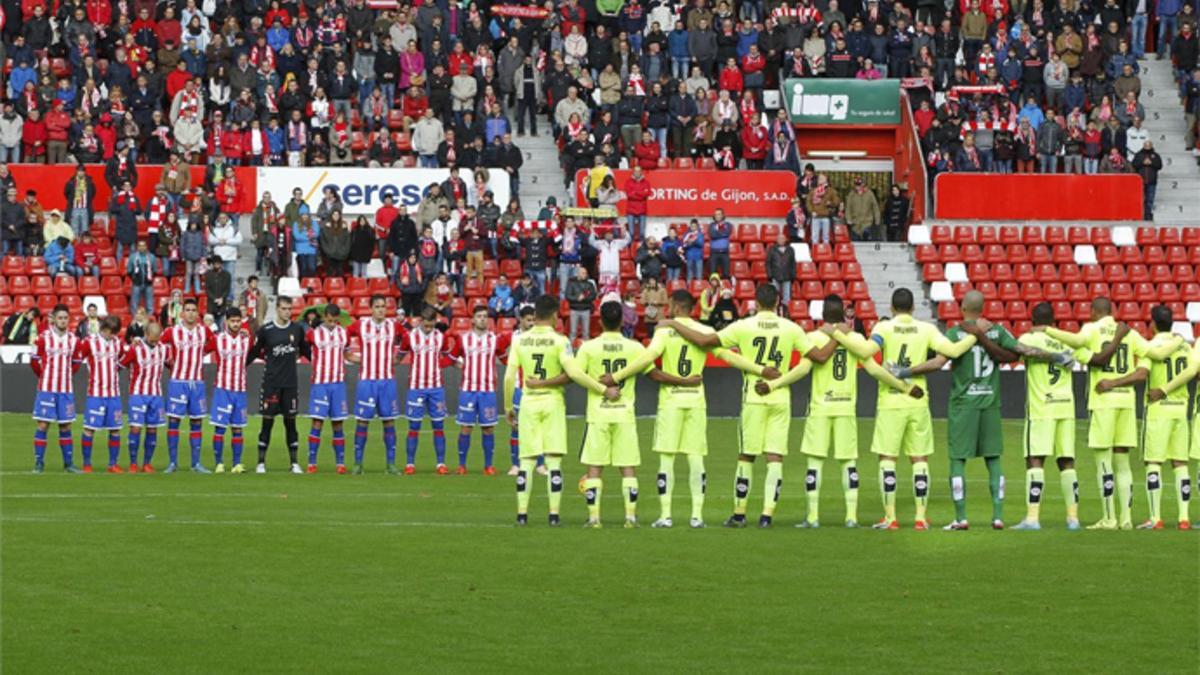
(1054,234)
(1037,254)
(1069,273)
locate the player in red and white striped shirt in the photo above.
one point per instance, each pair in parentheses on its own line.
(102,353)
(229,395)
(327,397)
(190,341)
(476,352)
(145,359)
(54,363)
(426,396)
(376,395)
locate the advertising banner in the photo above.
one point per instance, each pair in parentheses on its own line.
(362,190)
(1027,196)
(50,180)
(842,101)
(695,192)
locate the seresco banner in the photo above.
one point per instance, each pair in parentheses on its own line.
(841,101)
(362,190)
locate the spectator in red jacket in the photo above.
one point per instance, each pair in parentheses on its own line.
(87,254)
(33,138)
(413,106)
(637,194)
(731,78)
(754,145)
(58,126)
(647,152)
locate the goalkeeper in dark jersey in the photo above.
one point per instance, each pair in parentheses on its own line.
(279,343)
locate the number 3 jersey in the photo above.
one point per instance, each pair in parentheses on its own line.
(604,355)
(1049,394)
(768,340)
(975,376)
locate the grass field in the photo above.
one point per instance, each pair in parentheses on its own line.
(282,573)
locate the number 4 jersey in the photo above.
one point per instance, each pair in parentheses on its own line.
(976,379)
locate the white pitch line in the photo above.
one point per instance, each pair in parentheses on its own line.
(250,523)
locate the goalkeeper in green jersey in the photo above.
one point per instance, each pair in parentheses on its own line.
(902,422)
(1112,406)
(545,358)
(831,423)
(1177,386)
(681,425)
(1165,428)
(769,340)
(1049,422)
(973,428)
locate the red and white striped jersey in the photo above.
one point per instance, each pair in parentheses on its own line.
(477,352)
(188,348)
(428,352)
(328,354)
(103,358)
(54,361)
(231,360)
(145,363)
(379,342)
(503,355)
(524,228)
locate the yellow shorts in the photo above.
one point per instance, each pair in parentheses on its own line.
(1165,440)
(543,432)
(1112,428)
(907,431)
(839,433)
(764,429)
(681,430)
(610,444)
(1050,438)
(1195,443)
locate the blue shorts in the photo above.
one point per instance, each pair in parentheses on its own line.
(102,412)
(477,407)
(51,407)
(228,408)
(185,399)
(376,398)
(421,402)
(146,411)
(328,401)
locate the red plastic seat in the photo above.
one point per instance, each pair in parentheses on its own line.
(949,253)
(1107,254)
(836,287)
(949,311)
(1169,236)
(1036,254)
(1055,234)
(1147,236)
(993,310)
(683,163)
(1031,291)
(768,233)
(746,232)
(12,265)
(858,290)
(822,253)
(1068,272)
(844,252)
(1053,292)
(23,303)
(1145,292)
(358,287)
(1154,255)
(1191,236)
(1137,273)
(1062,254)
(1182,274)
(1122,292)
(738,269)
(1077,291)
(1092,273)
(812,290)
(758,270)
(1191,292)
(805,271)
(1078,235)
(852,271)
(20,285)
(995,253)
(1031,234)
(745,290)
(1177,255)
(755,251)
(1131,255)
(1114,273)
(510,269)
(706,163)
(972,253)
(1100,235)
(473,288)
(985,234)
(1002,272)
(1016,311)
(830,271)
(926,253)
(1024,272)
(1168,292)
(1010,235)
(380,287)
(964,234)
(979,272)
(1098,289)
(1009,291)
(335,286)
(988,289)
(931,272)
(941,234)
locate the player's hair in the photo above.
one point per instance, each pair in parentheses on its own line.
(767,296)
(1163,317)
(283,298)
(478,308)
(234,313)
(190,301)
(1102,304)
(111,323)
(834,309)
(611,315)
(525,311)
(683,300)
(59,308)
(902,300)
(1043,314)
(332,310)
(545,307)
(428,313)
(377,298)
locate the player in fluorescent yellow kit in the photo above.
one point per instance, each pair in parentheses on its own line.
(543,356)
(1112,411)
(611,438)
(832,419)
(681,424)
(1049,422)
(1165,427)
(769,341)
(902,422)
(1177,387)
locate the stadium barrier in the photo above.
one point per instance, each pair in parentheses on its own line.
(1038,197)
(49,181)
(692,192)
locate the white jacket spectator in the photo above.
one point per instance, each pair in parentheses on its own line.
(427,134)
(608,260)
(225,237)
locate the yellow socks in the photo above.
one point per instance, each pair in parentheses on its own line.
(1183,491)
(1069,482)
(593,488)
(555,481)
(1124,476)
(772,486)
(629,490)
(1104,473)
(741,487)
(921,488)
(812,489)
(523,487)
(1154,491)
(1035,484)
(698,482)
(887,483)
(850,488)
(666,482)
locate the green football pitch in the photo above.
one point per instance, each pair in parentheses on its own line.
(282,573)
